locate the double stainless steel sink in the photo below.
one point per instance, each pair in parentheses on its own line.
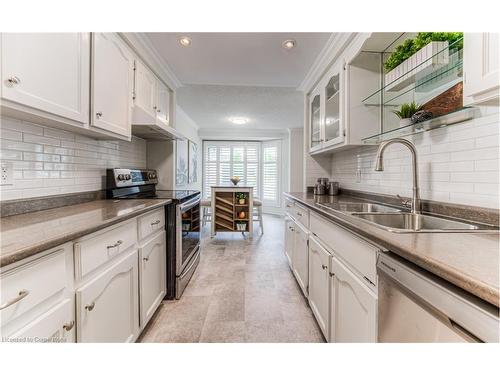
(395,220)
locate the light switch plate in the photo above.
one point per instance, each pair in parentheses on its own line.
(7,177)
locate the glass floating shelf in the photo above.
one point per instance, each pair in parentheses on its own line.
(455,117)
(441,68)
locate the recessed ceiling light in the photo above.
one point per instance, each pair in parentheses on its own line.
(289,44)
(184,41)
(239,120)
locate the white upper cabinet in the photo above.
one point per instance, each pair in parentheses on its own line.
(481,68)
(333,102)
(112,85)
(353,307)
(151,98)
(144,94)
(319,281)
(163,102)
(46,73)
(315,127)
(338,118)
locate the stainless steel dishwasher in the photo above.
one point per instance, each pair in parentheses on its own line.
(416,306)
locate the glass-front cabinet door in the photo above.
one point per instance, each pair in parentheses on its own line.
(333,102)
(315,120)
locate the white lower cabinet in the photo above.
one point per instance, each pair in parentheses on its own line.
(152,276)
(319,280)
(301,257)
(353,307)
(56,325)
(289,240)
(107,307)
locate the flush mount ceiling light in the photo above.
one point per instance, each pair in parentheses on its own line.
(289,44)
(184,41)
(239,120)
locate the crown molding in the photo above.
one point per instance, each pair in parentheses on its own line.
(332,49)
(141,44)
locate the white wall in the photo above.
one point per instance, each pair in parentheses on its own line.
(49,161)
(457,164)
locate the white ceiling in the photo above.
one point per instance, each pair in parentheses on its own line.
(211,106)
(240,59)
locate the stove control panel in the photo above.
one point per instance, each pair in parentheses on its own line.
(122,177)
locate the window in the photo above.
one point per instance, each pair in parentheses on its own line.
(271,170)
(258,164)
(222,160)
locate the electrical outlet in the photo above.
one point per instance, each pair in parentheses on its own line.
(358,175)
(7,174)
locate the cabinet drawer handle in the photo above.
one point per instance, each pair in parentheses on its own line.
(155,222)
(158,110)
(14,80)
(146,258)
(299,214)
(22,294)
(155,107)
(324,267)
(98,115)
(118,243)
(90,307)
(331,274)
(69,326)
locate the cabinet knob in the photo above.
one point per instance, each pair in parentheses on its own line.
(90,307)
(69,326)
(14,80)
(155,107)
(146,258)
(158,111)
(331,274)
(324,267)
(98,114)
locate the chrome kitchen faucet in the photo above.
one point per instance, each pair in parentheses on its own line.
(379,166)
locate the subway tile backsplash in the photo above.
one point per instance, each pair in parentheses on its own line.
(49,161)
(457,164)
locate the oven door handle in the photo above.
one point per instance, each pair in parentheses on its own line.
(189,204)
(192,261)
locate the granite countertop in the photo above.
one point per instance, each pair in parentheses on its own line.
(28,234)
(468,260)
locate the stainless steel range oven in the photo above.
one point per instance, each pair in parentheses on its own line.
(182,219)
(187,236)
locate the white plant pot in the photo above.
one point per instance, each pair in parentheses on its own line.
(422,62)
(404,122)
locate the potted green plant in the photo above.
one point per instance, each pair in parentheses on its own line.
(405,112)
(427,51)
(241,197)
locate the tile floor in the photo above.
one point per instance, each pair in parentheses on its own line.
(242,291)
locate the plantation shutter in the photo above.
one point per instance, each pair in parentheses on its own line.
(271,169)
(222,160)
